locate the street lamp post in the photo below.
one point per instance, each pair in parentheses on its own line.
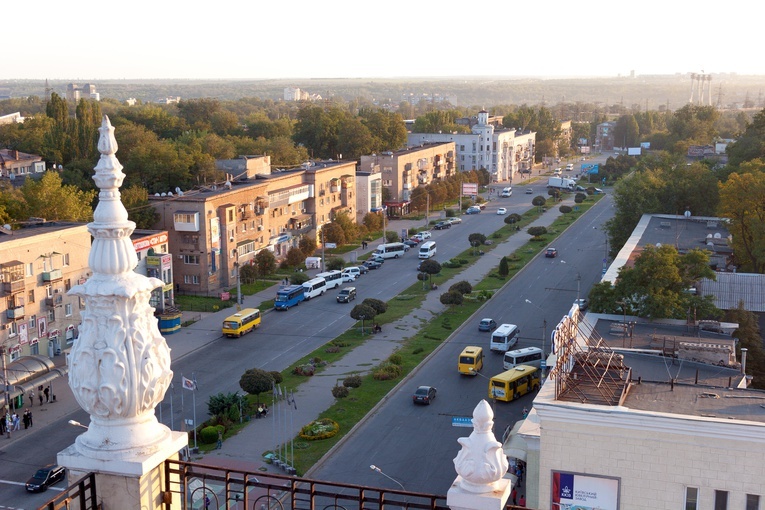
(544,332)
(578,281)
(238,278)
(378,470)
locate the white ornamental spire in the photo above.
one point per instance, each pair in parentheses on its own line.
(481,463)
(119,367)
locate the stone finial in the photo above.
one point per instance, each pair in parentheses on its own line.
(481,463)
(119,367)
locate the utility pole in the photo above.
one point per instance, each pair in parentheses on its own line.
(7,391)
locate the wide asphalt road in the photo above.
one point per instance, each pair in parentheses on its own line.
(416,444)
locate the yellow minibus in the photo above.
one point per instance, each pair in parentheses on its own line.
(241,322)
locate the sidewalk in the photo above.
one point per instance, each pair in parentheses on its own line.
(314,395)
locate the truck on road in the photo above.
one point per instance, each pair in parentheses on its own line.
(561,183)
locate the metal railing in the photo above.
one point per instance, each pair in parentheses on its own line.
(81,494)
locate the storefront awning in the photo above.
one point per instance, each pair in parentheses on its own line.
(515,445)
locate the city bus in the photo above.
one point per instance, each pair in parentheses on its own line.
(333,278)
(515,383)
(391,250)
(315,287)
(289,296)
(241,322)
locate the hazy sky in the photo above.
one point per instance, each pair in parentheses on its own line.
(259,39)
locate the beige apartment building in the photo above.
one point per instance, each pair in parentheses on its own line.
(213,230)
(39,264)
(404,170)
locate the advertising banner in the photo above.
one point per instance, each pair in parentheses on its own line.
(469,188)
(583,492)
(215,233)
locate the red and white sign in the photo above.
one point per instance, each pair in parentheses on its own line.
(145,243)
(469,188)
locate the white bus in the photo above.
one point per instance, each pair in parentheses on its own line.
(333,278)
(391,250)
(427,250)
(531,356)
(504,337)
(315,287)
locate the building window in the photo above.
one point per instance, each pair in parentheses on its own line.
(51,316)
(721,500)
(30,269)
(48,291)
(67,285)
(752,502)
(68,309)
(65,258)
(691,498)
(191,259)
(31,296)
(33,322)
(191,279)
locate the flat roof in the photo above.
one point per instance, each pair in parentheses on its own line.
(698,400)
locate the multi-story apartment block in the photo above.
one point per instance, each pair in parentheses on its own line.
(40,263)
(88,91)
(604,136)
(369,196)
(17,166)
(502,152)
(404,170)
(214,230)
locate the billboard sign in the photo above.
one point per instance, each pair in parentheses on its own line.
(469,188)
(584,492)
(633,151)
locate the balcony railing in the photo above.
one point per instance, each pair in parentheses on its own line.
(53,275)
(13,287)
(81,494)
(56,300)
(15,313)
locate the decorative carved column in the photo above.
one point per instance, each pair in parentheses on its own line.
(480,465)
(119,367)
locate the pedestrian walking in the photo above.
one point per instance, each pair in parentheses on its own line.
(16,421)
(522,501)
(47,394)
(25,419)
(40,396)
(32,398)
(31,423)
(514,496)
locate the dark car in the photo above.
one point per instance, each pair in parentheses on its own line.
(487,325)
(372,264)
(551,253)
(363,269)
(424,395)
(442,225)
(410,242)
(346,295)
(45,477)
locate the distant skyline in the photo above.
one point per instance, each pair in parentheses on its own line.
(394,39)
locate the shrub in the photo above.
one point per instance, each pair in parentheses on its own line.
(332,349)
(565,209)
(396,359)
(418,350)
(503,270)
(387,371)
(463,261)
(299,278)
(335,264)
(352,381)
(512,218)
(462,287)
(340,391)
(451,213)
(209,435)
(579,198)
(452,298)
(537,231)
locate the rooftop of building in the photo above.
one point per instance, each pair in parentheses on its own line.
(34,227)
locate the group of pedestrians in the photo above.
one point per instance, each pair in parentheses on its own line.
(42,394)
(12,421)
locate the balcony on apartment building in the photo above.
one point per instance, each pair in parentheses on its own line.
(15,312)
(13,287)
(12,275)
(56,299)
(54,275)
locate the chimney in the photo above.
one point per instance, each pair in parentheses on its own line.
(15,154)
(743,360)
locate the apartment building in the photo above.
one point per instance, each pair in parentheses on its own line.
(40,263)
(502,152)
(215,229)
(402,171)
(155,261)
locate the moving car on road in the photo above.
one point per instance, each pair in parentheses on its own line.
(372,264)
(454,221)
(583,304)
(424,395)
(529,191)
(501,210)
(442,225)
(551,253)
(487,325)
(45,477)
(473,210)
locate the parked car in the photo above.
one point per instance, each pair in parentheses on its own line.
(455,220)
(425,234)
(424,395)
(349,277)
(583,303)
(599,191)
(482,206)
(529,191)
(473,210)
(346,295)
(551,253)
(45,477)
(442,225)
(410,242)
(372,264)
(377,258)
(353,271)
(416,237)
(487,325)
(580,188)
(501,210)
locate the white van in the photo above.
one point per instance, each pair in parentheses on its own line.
(504,337)
(391,250)
(333,278)
(507,192)
(351,273)
(427,250)
(315,287)
(527,356)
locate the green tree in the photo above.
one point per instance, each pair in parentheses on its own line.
(295,257)
(307,245)
(430,267)
(372,221)
(504,268)
(256,381)
(335,264)
(136,201)
(742,200)
(463,287)
(334,233)
(749,336)
(48,198)
(349,227)
(476,239)
(379,306)
(362,312)
(265,263)
(452,298)
(538,201)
